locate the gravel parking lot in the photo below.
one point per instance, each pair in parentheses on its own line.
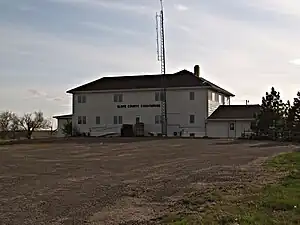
(114,181)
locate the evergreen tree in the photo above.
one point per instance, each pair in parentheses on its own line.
(296,112)
(272,112)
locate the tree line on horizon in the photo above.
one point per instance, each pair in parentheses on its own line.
(11,123)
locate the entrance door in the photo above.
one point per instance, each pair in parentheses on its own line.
(137,119)
(232,129)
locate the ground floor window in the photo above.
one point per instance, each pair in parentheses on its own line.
(192,119)
(118,120)
(157,119)
(81,120)
(231,126)
(97,120)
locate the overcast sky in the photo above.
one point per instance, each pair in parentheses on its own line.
(49,46)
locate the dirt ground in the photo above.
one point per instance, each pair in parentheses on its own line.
(117,181)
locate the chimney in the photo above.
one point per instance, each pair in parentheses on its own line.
(197,70)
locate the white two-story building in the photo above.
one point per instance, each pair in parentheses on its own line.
(102,106)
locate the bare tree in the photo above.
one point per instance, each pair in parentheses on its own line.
(5,121)
(14,125)
(31,122)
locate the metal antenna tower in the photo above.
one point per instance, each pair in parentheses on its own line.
(161,53)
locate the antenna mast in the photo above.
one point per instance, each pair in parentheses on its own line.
(161,53)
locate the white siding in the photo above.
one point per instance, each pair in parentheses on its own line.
(179,108)
(221,129)
(212,106)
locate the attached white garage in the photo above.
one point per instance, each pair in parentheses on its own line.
(231,121)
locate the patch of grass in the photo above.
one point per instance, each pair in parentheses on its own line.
(277,203)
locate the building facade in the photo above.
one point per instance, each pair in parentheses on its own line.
(103,106)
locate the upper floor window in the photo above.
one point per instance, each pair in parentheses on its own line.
(159,96)
(118,97)
(223,100)
(192,95)
(217,96)
(210,95)
(192,119)
(81,99)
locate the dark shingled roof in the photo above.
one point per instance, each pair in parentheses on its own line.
(182,78)
(69,116)
(235,112)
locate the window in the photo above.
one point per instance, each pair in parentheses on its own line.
(157,119)
(79,120)
(192,95)
(83,99)
(97,119)
(118,119)
(209,95)
(223,100)
(118,97)
(213,96)
(159,96)
(216,97)
(137,119)
(84,120)
(192,119)
(231,126)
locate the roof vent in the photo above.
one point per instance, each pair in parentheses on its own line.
(197,70)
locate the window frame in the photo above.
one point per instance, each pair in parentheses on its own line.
(84,120)
(118,98)
(157,119)
(117,120)
(79,120)
(98,120)
(192,95)
(83,99)
(192,119)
